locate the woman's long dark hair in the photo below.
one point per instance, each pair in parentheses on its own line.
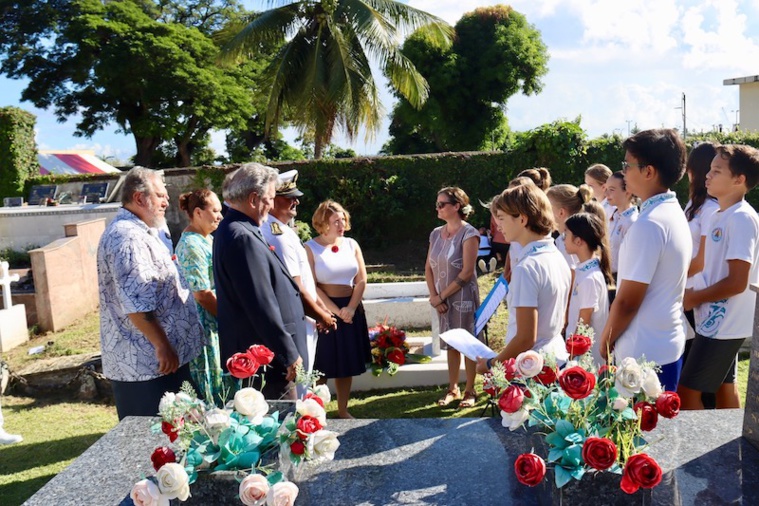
(698,164)
(592,229)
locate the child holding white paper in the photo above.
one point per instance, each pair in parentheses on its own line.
(540,280)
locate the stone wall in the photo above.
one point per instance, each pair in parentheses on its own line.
(65,275)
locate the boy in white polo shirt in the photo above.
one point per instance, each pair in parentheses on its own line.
(723,302)
(646,318)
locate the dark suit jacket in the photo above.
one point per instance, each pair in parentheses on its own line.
(258,301)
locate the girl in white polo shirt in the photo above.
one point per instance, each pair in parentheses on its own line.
(540,281)
(567,200)
(624,215)
(589,302)
(722,299)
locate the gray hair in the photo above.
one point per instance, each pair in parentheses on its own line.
(137,181)
(250,177)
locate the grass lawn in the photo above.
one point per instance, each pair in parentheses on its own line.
(56,430)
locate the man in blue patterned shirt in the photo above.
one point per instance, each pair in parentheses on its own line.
(149,327)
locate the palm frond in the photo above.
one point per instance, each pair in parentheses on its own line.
(272,26)
(406,18)
(407,80)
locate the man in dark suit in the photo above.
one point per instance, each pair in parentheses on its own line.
(258,301)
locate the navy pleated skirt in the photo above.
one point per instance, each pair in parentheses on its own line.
(344,352)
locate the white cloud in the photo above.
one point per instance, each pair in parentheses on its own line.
(219,142)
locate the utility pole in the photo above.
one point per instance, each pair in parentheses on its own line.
(735,126)
(682,106)
(628,126)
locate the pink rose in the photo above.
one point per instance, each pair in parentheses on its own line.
(253,490)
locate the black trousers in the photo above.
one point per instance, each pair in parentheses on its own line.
(141,398)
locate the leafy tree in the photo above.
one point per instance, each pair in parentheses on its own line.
(496,54)
(148,66)
(322,74)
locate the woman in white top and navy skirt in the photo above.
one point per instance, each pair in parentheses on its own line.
(340,274)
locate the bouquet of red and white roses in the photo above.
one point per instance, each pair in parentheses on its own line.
(242,436)
(390,350)
(592,420)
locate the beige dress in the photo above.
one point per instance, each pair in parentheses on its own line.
(446,261)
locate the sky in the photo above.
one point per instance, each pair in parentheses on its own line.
(616,64)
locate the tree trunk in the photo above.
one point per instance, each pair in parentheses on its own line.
(146,147)
(184,153)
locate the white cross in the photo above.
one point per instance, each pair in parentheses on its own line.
(5,281)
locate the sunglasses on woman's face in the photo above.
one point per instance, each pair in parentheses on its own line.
(440,205)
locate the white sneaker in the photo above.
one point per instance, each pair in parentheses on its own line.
(9,439)
(481,265)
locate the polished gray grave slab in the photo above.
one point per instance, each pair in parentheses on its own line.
(447,462)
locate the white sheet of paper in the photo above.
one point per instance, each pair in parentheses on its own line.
(467,344)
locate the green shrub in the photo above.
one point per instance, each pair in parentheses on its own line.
(18,150)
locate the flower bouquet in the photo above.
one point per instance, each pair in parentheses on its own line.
(242,437)
(591,420)
(390,350)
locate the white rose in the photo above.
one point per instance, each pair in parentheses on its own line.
(311,408)
(529,363)
(173,481)
(167,403)
(651,384)
(253,490)
(216,421)
(513,421)
(183,397)
(620,403)
(322,392)
(282,494)
(252,404)
(146,493)
(629,378)
(323,444)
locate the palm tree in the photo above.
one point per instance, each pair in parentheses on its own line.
(321,76)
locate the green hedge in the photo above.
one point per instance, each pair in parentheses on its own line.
(18,150)
(391,199)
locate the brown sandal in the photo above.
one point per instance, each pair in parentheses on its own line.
(449,397)
(469,400)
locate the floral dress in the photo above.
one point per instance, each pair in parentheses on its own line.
(194,253)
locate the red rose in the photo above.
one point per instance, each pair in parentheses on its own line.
(512,399)
(242,365)
(487,384)
(530,469)
(647,415)
(298,448)
(510,366)
(599,453)
(161,456)
(171,430)
(578,345)
(311,395)
(668,404)
(640,471)
(307,425)
(396,356)
(547,376)
(577,382)
(261,354)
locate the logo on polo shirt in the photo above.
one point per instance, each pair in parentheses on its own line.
(717,234)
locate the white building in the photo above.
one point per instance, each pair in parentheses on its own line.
(748,100)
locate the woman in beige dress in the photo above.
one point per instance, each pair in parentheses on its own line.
(452,283)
